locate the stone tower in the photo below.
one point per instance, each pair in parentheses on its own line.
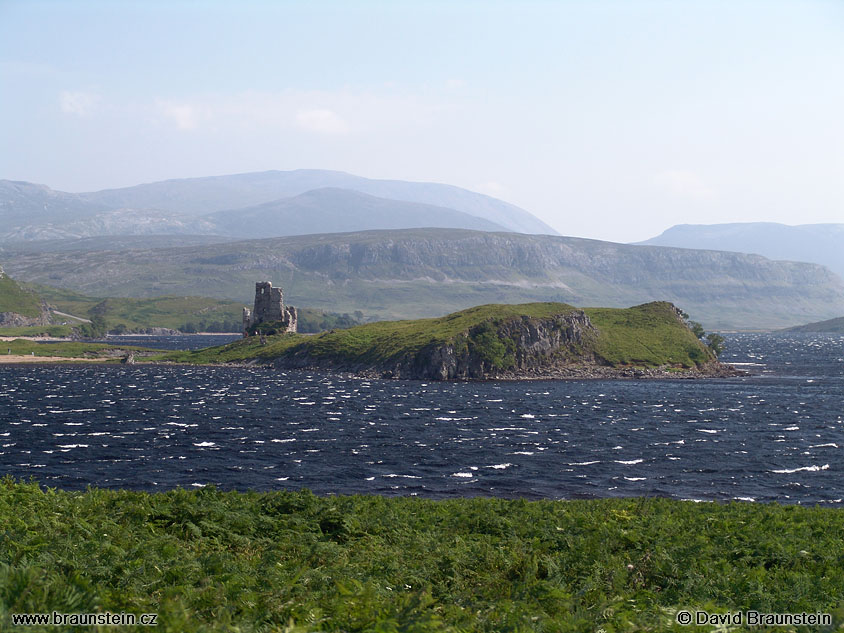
(269,308)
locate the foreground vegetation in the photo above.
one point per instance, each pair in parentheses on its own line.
(650,335)
(207,560)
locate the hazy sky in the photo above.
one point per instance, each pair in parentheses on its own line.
(611,120)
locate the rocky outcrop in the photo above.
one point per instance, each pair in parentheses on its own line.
(514,346)
(13,319)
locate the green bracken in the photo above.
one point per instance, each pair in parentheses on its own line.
(208,560)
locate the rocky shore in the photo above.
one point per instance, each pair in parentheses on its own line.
(570,372)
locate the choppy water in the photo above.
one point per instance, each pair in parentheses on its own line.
(177,341)
(776,435)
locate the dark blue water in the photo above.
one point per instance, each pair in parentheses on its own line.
(777,435)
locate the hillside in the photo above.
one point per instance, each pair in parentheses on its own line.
(18,306)
(533,340)
(831,326)
(816,243)
(15,300)
(425,272)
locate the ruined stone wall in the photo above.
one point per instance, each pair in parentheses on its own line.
(269,308)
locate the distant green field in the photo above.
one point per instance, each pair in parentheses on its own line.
(648,336)
(292,562)
(187,314)
(58,331)
(70,349)
(178,313)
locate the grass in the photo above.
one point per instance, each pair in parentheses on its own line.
(207,560)
(648,336)
(58,331)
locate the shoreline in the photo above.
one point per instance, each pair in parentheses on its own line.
(584,372)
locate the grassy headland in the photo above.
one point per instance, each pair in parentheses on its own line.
(208,560)
(497,338)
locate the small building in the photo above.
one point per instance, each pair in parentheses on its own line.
(269,310)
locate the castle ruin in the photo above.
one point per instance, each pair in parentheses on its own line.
(269,308)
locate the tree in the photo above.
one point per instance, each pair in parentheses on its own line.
(95,329)
(715,342)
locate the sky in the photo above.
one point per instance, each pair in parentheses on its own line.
(608,120)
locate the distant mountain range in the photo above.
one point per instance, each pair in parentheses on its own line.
(430,272)
(817,243)
(340,210)
(266,204)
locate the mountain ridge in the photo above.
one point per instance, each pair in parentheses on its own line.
(415,273)
(815,243)
(343,210)
(265,186)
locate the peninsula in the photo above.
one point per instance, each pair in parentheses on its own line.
(497,341)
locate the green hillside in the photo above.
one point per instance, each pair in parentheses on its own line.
(15,299)
(650,335)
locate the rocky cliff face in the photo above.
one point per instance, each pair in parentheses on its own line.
(13,319)
(521,345)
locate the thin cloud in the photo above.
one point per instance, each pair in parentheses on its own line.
(184,115)
(322,121)
(79,103)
